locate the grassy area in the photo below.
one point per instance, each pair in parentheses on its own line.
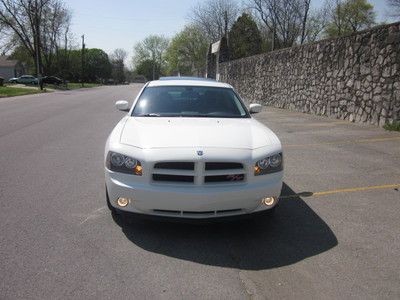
(11,91)
(394,126)
(8,91)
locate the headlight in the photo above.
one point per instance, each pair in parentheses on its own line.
(275,160)
(263,163)
(124,164)
(268,165)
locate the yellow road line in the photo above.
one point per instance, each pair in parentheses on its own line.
(348,190)
(357,189)
(316,124)
(377,139)
(374,140)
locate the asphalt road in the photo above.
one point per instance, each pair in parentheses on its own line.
(58,240)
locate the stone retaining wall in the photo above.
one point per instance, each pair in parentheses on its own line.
(355,78)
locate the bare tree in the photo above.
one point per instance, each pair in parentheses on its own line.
(394,7)
(119,54)
(37,25)
(316,24)
(285,19)
(303,11)
(7,40)
(336,14)
(215,17)
(118,58)
(54,30)
(277,16)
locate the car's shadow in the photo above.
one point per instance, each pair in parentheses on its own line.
(294,233)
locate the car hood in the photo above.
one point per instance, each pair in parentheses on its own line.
(156,132)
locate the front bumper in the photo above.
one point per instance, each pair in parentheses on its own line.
(194,202)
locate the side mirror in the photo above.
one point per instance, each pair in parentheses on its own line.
(122,105)
(255,108)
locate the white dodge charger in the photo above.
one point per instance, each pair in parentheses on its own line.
(189,148)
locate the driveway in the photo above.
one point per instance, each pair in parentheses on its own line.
(335,234)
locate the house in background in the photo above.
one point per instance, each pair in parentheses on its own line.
(10,68)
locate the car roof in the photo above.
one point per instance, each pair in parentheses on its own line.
(186,78)
(188,81)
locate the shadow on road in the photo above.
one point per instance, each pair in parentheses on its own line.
(294,233)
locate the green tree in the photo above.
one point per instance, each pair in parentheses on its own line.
(74,67)
(97,65)
(350,16)
(244,38)
(151,48)
(20,53)
(148,69)
(186,54)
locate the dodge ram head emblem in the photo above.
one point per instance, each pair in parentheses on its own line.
(200,153)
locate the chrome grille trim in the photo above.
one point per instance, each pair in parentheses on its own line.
(224,178)
(173,178)
(198,173)
(174,165)
(209,166)
(195,214)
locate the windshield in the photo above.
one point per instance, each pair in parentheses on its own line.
(189,101)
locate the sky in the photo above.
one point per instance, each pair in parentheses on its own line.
(121,23)
(111,24)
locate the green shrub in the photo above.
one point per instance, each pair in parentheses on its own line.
(394,126)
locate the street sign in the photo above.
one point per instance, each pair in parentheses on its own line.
(215,47)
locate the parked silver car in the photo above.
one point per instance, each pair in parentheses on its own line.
(27,79)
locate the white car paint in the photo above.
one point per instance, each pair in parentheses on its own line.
(167,139)
(122,105)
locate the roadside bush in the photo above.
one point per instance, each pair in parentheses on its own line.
(394,126)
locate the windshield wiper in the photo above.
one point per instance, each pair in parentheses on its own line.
(150,115)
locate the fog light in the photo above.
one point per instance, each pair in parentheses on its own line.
(138,170)
(123,201)
(268,201)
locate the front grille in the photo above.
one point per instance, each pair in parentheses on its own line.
(224,178)
(170,212)
(173,178)
(175,165)
(198,173)
(198,213)
(228,211)
(222,166)
(186,213)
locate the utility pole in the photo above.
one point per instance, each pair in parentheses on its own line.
(66,61)
(83,59)
(153,55)
(226,24)
(37,48)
